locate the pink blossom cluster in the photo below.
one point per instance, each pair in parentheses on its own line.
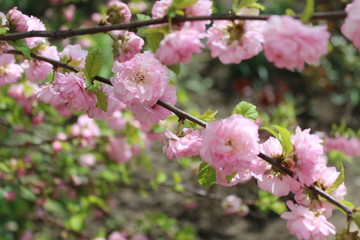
(140,83)
(234,41)
(349,146)
(350,28)
(86,130)
(127,46)
(117,12)
(188,144)
(10,72)
(290,44)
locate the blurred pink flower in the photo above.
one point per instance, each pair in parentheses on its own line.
(69,12)
(128,45)
(87,160)
(188,144)
(119,150)
(308,149)
(350,28)
(179,46)
(289,43)
(231,204)
(117,12)
(141,80)
(306,224)
(230,144)
(234,41)
(9,196)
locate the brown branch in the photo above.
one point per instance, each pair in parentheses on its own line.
(106,28)
(183,115)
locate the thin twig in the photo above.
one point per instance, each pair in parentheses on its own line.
(181,114)
(106,28)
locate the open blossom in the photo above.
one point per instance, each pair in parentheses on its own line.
(10,72)
(71,87)
(160,8)
(87,160)
(179,46)
(306,224)
(186,145)
(74,55)
(234,41)
(148,114)
(242,176)
(118,12)
(127,46)
(119,150)
(230,144)
(37,70)
(350,28)
(34,24)
(289,43)
(269,179)
(308,150)
(142,80)
(17,19)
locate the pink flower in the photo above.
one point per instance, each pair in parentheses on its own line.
(230,144)
(179,46)
(87,160)
(128,45)
(69,12)
(3,19)
(349,146)
(160,8)
(116,121)
(234,41)
(142,80)
(350,28)
(9,71)
(148,114)
(241,176)
(85,128)
(118,12)
(9,196)
(139,237)
(24,94)
(200,8)
(113,104)
(56,146)
(306,224)
(119,150)
(188,144)
(231,204)
(74,55)
(289,43)
(37,70)
(48,94)
(17,19)
(71,87)
(268,178)
(308,150)
(34,24)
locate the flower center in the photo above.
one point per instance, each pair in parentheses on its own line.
(139,78)
(236,31)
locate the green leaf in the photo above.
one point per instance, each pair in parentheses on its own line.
(246,109)
(308,11)
(93,63)
(161,177)
(99,202)
(153,36)
(21,46)
(208,115)
(178,186)
(356,218)
(339,180)
(249,4)
(207,175)
(181,4)
(271,131)
(142,17)
(55,208)
(284,137)
(290,12)
(102,100)
(230,177)
(76,222)
(175,68)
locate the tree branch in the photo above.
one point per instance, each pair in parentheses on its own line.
(129,26)
(184,115)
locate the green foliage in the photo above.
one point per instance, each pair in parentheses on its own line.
(208,115)
(308,11)
(246,109)
(284,137)
(102,101)
(93,63)
(356,218)
(182,4)
(247,3)
(21,46)
(142,17)
(206,175)
(268,202)
(154,36)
